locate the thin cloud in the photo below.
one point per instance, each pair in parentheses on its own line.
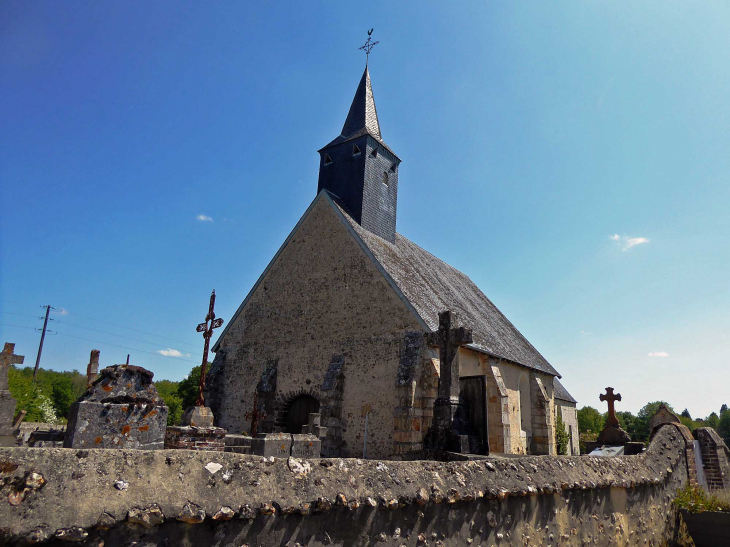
(585,333)
(626,242)
(657,354)
(170,352)
(203,218)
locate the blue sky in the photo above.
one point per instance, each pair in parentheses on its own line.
(572,158)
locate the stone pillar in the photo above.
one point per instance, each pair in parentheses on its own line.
(8,426)
(543,429)
(500,430)
(332,390)
(92,369)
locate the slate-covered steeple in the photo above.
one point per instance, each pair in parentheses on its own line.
(360,169)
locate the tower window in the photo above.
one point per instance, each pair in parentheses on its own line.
(385,178)
(327,159)
(355,150)
(374,153)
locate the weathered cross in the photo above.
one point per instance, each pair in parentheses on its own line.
(92,369)
(7,358)
(255,415)
(448,340)
(207,331)
(368,47)
(611,398)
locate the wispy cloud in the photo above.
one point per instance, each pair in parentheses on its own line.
(657,354)
(170,352)
(585,333)
(204,218)
(626,242)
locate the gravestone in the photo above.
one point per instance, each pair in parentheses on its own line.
(613,435)
(314,427)
(305,445)
(92,369)
(8,425)
(121,409)
(198,416)
(272,444)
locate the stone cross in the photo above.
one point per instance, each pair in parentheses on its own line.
(92,369)
(448,340)
(7,358)
(611,398)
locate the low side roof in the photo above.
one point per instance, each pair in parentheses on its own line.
(559,392)
(432,286)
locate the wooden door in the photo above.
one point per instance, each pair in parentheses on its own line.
(473,393)
(297,414)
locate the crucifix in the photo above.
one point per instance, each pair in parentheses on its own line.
(255,414)
(207,330)
(611,399)
(7,358)
(448,339)
(369,45)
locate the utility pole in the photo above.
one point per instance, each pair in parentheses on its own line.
(43,336)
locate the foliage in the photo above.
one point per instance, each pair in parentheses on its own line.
(713,420)
(696,500)
(723,408)
(62,395)
(49,398)
(188,389)
(590,420)
(686,414)
(642,419)
(562,439)
(168,391)
(723,426)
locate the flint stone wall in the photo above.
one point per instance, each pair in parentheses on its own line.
(186,498)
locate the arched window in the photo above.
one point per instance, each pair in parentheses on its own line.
(297,412)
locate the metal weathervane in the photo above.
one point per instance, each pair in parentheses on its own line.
(369,45)
(207,331)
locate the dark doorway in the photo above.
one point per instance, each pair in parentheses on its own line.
(473,394)
(297,413)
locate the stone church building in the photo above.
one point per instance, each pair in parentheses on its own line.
(336,324)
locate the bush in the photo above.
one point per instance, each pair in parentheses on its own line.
(562,439)
(696,500)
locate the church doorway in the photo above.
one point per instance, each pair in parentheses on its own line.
(473,393)
(297,413)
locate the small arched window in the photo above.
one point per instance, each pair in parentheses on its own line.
(385,178)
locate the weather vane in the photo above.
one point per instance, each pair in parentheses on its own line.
(369,45)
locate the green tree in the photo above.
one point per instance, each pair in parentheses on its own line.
(562,439)
(643,417)
(168,391)
(590,420)
(628,422)
(62,395)
(187,389)
(686,414)
(723,408)
(723,427)
(713,420)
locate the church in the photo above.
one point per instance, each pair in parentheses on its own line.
(336,324)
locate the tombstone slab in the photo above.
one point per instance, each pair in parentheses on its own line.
(198,416)
(305,446)
(121,409)
(272,444)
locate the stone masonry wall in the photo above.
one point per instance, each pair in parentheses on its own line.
(182,498)
(715,458)
(321,297)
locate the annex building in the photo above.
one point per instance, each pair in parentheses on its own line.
(336,324)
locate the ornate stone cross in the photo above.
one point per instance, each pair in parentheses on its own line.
(611,398)
(7,358)
(448,340)
(207,330)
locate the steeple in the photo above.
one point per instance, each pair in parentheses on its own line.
(360,169)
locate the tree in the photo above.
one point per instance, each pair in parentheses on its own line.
(187,389)
(168,391)
(590,420)
(62,396)
(628,422)
(723,408)
(643,417)
(723,427)
(562,439)
(713,420)
(686,414)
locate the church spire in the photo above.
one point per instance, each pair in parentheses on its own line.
(363,114)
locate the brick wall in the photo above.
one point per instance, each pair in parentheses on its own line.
(715,458)
(195,438)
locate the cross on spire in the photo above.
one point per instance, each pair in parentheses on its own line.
(610,398)
(369,45)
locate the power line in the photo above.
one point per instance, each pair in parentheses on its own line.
(107,343)
(109,333)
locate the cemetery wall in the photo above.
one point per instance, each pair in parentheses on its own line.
(321,297)
(187,498)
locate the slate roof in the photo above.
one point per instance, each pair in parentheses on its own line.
(559,392)
(362,119)
(431,286)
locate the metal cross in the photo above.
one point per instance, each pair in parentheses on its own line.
(207,331)
(255,415)
(7,358)
(611,398)
(369,45)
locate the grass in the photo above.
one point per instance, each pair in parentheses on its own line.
(697,500)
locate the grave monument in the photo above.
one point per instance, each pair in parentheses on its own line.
(8,425)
